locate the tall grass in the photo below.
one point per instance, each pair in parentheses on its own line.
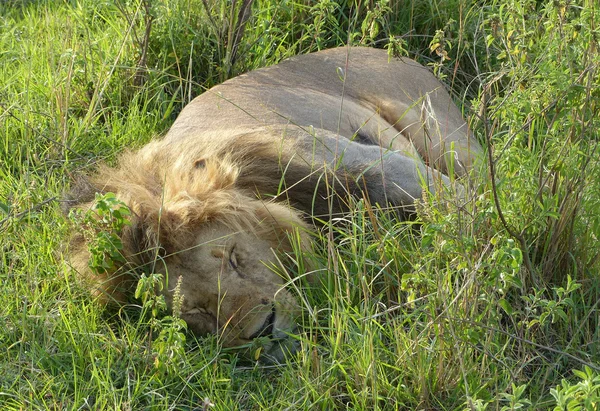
(487,304)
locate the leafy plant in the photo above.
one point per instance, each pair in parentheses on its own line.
(102,225)
(168,348)
(515,399)
(583,395)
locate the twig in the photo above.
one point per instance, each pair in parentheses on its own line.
(511,232)
(38,133)
(142,69)
(210,17)
(242,18)
(526,341)
(28,211)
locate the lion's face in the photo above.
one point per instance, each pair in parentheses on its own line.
(229,288)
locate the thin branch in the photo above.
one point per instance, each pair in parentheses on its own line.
(511,232)
(210,17)
(38,133)
(142,65)
(28,211)
(242,19)
(529,342)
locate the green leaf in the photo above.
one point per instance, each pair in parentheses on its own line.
(4,208)
(505,306)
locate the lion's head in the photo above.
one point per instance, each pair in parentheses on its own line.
(192,224)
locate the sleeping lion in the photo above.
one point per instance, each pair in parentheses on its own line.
(245,163)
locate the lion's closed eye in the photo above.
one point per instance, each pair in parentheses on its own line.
(233,260)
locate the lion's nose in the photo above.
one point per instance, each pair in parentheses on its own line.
(267,328)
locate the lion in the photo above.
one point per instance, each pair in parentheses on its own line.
(248,164)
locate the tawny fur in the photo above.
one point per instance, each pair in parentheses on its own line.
(247,161)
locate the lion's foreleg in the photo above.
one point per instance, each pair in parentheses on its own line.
(384,176)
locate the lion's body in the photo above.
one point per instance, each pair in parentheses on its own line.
(356,94)
(306,132)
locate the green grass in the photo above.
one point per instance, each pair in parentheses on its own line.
(485,305)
